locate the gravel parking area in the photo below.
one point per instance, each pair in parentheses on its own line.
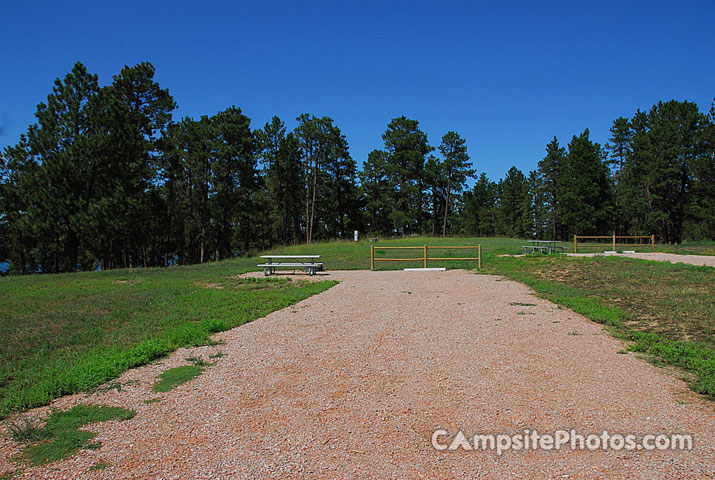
(353,382)
(701,260)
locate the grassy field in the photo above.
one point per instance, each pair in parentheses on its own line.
(68,333)
(667,310)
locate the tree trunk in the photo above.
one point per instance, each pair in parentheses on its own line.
(312,207)
(307,199)
(446,209)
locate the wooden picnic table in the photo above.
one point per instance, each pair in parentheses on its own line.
(301,261)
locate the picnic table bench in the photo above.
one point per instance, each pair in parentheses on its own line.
(298,261)
(543,246)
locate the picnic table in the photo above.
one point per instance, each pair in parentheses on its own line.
(297,261)
(543,246)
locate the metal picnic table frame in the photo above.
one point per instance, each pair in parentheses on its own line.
(311,266)
(543,246)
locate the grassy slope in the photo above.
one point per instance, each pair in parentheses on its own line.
(68,333)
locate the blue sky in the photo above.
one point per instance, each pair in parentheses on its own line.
(507,76)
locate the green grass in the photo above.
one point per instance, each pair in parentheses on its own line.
(664,309)
(68,333)
(61,436)
(172,378)
(100,465)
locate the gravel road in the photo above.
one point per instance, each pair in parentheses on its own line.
(702,260)
(353,382)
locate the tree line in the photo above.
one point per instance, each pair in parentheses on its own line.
(106,178)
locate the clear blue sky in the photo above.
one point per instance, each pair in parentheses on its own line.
(507,76)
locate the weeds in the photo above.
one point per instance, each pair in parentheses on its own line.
(198,361)
(26,431)
(61,436)
(100,465)
(172,378)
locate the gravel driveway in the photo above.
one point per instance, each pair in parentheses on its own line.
(701,260)
(353,382)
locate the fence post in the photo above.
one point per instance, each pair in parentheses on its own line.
(614,241)
(575,244)
(372,257)
(425,256)
(652,242)
(480,256)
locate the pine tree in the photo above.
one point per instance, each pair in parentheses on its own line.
(455,167)
(584,188)
(480,208)
(549,185)
(515,205)
(377,189)
(406,146)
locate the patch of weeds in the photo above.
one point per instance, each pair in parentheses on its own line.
(522,304)
(26,431)
(217,355)
(622,352)
(172,378)
(108,387)
(575,333)
(525,313)
(498,319)
(62,437)
(113,386)
(213,343)
(556,321)
(198,361)
(152,400)
(100,465)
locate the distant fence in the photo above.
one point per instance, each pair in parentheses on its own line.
(613,241)
(425,258)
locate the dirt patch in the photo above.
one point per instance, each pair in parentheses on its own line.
(209,285)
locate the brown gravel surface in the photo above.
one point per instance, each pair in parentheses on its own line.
(351,383)
(703,260)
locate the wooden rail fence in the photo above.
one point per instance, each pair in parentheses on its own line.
(425,258)
(614,241)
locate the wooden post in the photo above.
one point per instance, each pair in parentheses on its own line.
(652,242)
(614,241)
(575,244)
(425,256)
(480,256)
(372,257)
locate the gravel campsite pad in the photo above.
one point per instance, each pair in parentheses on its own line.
(353,382)
(699,260)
